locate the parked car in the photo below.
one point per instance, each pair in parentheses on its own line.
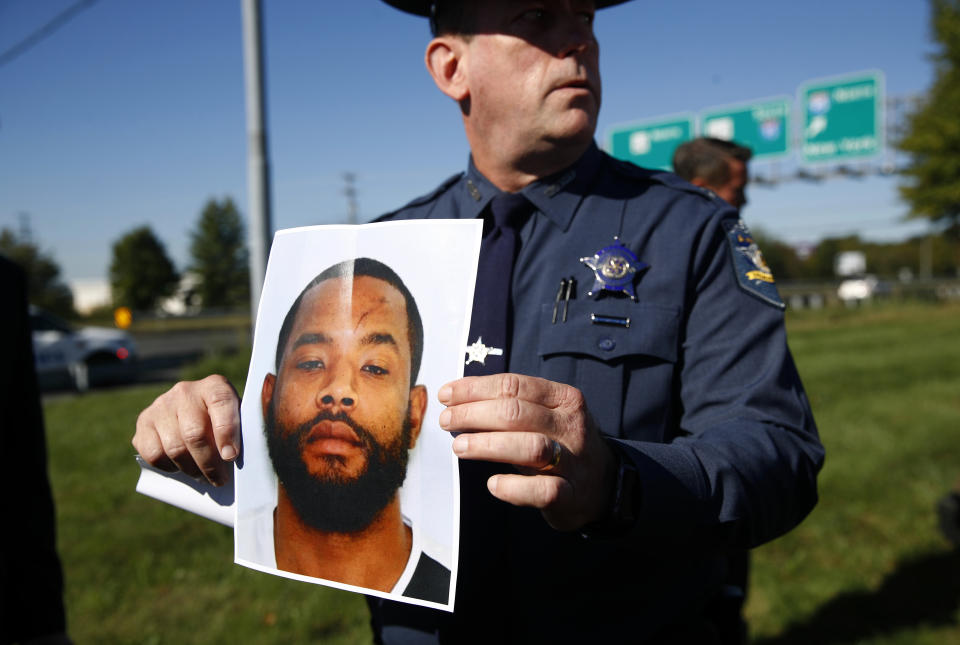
(856,289)
(80,357)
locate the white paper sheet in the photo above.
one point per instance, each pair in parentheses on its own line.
(177,489)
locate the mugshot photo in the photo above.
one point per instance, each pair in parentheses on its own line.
(347,479)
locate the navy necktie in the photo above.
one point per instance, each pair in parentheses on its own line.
(492,318)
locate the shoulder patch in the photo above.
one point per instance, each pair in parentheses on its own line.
(753,274)
(423,199)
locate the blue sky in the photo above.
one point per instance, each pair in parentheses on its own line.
(133,112)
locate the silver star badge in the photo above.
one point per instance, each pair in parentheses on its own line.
(615,268)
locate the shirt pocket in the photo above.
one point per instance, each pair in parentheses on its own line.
(602,347)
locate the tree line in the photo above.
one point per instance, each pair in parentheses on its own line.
(141,272)
(142,275)
(917,257)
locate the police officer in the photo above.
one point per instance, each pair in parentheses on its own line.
(637,410)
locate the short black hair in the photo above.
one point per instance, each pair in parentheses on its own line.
(706,158)
(356,268)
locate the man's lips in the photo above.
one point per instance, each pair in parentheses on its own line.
(332,436)
(575,84)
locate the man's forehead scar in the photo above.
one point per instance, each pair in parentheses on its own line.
(380,303)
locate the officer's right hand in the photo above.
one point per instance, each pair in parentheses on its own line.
(195,426)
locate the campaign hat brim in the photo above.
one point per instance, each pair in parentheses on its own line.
(422,7)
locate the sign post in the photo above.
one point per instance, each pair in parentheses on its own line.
(650,143)
(763,126)
(842,118)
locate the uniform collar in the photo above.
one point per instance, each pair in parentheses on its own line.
(557,196)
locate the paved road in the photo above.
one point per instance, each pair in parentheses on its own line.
(163,355)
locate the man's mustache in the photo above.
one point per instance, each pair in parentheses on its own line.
(303,430)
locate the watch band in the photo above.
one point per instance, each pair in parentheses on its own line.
(622,512)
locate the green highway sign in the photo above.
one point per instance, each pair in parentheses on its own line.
(650,143)
(842,117)
(764,126)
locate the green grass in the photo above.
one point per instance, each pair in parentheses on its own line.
(139,571)
(867,566)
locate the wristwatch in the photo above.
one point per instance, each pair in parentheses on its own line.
(622,512)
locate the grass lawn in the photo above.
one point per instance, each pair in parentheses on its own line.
(868,565)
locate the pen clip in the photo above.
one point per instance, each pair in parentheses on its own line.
(556,302)
(566,296)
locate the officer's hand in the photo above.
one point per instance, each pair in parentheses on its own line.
(516,419)
(195,426)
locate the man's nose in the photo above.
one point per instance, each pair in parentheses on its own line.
(339,392)
(577,36)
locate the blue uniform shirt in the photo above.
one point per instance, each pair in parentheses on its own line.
(700,392)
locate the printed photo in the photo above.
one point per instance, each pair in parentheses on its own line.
(347,479)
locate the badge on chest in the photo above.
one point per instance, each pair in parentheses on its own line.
(615,269)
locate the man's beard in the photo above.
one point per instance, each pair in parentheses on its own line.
(332,502)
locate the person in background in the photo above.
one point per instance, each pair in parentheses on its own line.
(717,165)
(32,579)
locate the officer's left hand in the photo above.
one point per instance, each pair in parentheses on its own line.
(515,419)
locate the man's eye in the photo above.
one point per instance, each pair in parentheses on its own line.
(310,365)
(587,18)
(375,370)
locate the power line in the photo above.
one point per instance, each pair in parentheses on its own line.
(45,31)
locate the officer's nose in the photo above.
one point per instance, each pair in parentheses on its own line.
(578,36)
(339,393)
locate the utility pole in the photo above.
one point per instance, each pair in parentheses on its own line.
(260,230)
(350,190)
(25,235)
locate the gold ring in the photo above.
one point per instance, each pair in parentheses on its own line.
(555,459)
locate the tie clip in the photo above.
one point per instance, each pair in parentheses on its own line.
(610,320)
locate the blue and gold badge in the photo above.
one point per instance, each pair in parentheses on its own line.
(615,268)
(753,274)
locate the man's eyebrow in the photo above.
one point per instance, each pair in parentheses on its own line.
(379,338)
(310,339)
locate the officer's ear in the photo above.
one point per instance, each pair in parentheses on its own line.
(418,409)
(699,182)
(445,59)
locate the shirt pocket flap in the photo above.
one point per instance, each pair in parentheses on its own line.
(611,329)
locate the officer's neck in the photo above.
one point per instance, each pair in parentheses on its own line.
(512,172)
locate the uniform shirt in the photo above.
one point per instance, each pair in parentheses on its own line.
(699,393)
